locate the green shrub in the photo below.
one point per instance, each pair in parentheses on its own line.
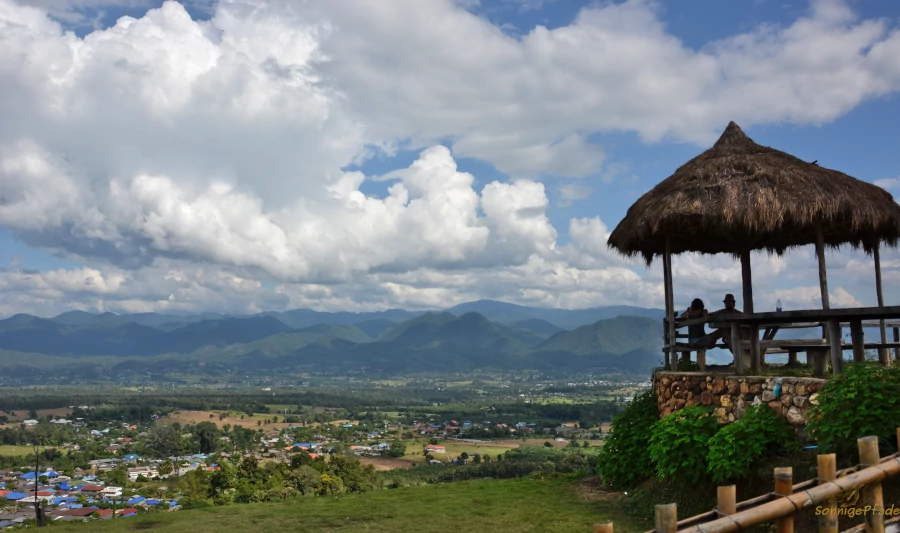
(686,365)
(735,448)
(679,442)
(624,461)
(863,400)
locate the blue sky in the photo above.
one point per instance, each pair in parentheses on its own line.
(335,120)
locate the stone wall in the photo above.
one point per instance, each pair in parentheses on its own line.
(731,395)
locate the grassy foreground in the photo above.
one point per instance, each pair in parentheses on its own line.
(521,505)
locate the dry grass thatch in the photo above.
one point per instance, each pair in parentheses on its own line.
(739,196)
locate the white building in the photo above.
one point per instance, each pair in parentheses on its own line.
(110,493)
(146,471)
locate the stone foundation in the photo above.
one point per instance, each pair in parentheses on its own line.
(731,395)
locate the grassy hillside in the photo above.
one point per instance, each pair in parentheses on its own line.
(520,505)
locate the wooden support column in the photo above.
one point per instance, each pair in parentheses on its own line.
(896,339)
(856,334)
(823,278)
(736,348)
(818,357)
(828,519)
(884,356)
(837,350)
(756,355)
(670,296)
(747,283)
(784,485)
(872,495)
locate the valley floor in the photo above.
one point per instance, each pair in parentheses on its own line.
(515,505)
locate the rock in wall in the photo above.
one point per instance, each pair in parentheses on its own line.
(731,395)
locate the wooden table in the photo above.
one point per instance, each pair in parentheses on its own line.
(832,319)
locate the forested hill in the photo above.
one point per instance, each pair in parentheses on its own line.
(393,341)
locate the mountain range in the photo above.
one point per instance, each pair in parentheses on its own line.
(477,335)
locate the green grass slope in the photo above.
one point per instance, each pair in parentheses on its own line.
(521,505)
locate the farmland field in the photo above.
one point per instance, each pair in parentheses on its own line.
(193,417)
(9,450)
(521,505)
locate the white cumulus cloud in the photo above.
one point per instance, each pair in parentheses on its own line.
(188,161)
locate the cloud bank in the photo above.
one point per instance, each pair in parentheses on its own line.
(203,164)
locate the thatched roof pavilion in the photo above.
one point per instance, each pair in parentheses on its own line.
(738,197)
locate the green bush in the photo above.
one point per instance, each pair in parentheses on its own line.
(735,448)
(863,400)
(686,365)
(624,461)
(678,444)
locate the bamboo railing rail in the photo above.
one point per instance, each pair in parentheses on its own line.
(788,499)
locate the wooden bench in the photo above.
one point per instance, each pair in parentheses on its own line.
(817,352)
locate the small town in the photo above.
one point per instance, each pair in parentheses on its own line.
(103,471)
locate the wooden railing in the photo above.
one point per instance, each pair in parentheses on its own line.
(820,495)
(747,325)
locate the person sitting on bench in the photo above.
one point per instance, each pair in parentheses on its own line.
(696,332)
(723,333)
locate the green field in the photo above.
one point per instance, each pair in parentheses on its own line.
(520,505)
(8,450)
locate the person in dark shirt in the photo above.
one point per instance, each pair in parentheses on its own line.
(723,333)
(696,332)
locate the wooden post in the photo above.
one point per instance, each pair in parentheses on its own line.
(606,527)
(828,518)
(756,360)
(747,283)
(883,353)
(701,360)
(747,279)
(666,338)
(819,357)
(736,348)
(823,277)
(837,350)
(872,496)
(784,484)
(726,499)
(856,334)
(666,520)
(792,357)
(896,339)
(670,296)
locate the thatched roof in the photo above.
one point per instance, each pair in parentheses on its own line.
(740,196)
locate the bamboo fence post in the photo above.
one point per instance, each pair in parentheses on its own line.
(784,484)
(666,518)
(827,471)
(726,499)
(872,495)
(606,527)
